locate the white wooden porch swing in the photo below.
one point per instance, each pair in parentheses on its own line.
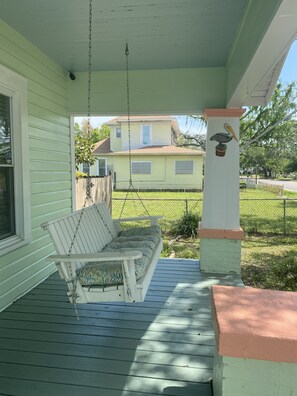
(99,261)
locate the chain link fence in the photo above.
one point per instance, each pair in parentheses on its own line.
(257,215)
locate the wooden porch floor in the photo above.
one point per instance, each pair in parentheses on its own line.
(163,346)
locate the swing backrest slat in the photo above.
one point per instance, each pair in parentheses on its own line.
(95,231)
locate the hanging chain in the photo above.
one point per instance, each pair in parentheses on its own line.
(128,113)
(89,185)
(131,187)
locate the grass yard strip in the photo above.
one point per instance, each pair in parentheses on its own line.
(270,262)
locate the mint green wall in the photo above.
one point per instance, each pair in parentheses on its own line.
(49,160)
(222,256)
(182,91)
(247,377)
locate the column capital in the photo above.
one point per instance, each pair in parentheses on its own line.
(229,113)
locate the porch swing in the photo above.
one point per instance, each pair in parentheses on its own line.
(99,261)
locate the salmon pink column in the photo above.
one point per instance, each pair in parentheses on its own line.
(220,233)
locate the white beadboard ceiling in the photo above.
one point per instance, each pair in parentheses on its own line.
(161,33)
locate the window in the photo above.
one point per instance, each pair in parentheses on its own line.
(118,132)
(141,168)
(184,167)
(102,167)
(7,215)
(146,135)
(15,226)
(86,168)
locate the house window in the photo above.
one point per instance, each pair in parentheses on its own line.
(141,167)
(184,167)
(7,209)
(118,132)
(146,135)
(86,168)
(101,167)
(15,227)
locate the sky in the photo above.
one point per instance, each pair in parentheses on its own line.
(288,74)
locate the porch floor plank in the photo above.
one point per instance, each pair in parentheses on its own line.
(163,346)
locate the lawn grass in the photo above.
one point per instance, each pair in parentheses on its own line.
(261,211)
(269,260)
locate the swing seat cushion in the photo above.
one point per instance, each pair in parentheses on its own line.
(141,231)
(110,273)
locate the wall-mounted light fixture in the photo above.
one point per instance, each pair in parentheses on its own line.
(72,76)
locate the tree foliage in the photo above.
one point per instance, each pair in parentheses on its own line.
(85,141)
(268,139)
(268,136)
(193,140)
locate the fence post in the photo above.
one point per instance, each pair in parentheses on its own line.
(187,206)
(285,217)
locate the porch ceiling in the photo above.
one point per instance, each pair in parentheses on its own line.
(161,34)
(185,55)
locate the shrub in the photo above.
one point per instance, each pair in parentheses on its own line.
(80,174)
(187,225)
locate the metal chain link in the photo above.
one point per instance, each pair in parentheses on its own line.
(128,113)
(131,187)
(89,184)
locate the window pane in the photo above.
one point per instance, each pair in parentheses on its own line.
(184,167)
(7,221)
(86,168)
(101,163)
(141,168)
(5,130)
(118,132)
(146,134)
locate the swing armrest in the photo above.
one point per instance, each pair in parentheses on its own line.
(93,257)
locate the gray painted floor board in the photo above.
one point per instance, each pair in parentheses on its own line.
(163,346)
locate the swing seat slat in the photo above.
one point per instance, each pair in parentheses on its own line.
(99,246)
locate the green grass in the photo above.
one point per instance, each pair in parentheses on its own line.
(171,205)
(260,211)
(268,260)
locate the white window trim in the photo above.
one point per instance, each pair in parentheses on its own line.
(15,86)
(141,135)
(105,159)
(184,173)
(150,162)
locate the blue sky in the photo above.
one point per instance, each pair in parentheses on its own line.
(288,74)
(289,71)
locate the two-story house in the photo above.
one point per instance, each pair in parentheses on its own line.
(156,162)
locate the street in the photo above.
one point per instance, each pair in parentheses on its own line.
(289,185)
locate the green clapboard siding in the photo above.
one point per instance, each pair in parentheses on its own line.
(49,160)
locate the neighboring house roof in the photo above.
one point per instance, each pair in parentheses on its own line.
(102,147)
(145,118)
(161,150)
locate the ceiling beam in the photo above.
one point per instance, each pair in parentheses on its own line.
(169,91)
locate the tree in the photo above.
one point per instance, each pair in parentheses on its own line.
(268,137)
(83,147)
(100,133)
(84,144)
(193,140)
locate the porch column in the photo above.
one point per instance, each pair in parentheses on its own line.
(220,233)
